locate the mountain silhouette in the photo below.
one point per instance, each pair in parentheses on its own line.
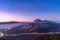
(37,20)
(36,26)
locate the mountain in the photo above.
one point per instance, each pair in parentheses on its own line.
(36,26)
(9,22)
(37,20)
(9,25)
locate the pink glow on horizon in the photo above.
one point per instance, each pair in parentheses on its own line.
(4,16)
(7,16)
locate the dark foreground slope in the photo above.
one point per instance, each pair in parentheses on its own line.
(34,37)
(21,37)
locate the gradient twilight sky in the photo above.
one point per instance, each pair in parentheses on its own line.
(28,10)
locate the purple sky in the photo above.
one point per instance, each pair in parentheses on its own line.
(28,10)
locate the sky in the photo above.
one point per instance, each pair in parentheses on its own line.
(28,10)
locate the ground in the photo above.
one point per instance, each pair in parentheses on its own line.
(34,37)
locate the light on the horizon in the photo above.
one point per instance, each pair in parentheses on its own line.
(4,17)
(1,34)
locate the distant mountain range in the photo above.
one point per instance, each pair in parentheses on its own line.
(8,25)
(29,27)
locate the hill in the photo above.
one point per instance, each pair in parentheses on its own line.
(35,26)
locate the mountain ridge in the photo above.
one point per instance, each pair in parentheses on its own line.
(36,26)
